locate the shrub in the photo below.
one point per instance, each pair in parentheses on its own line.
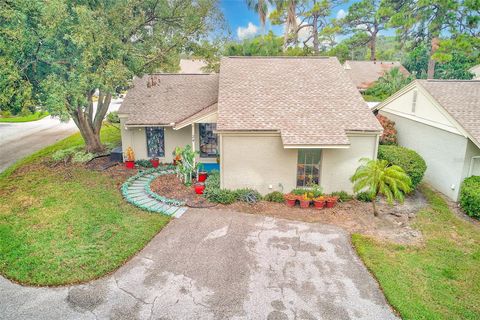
(470,196)
(342,196)
(112,117)
(82,156)
(407,159)
(144,163)
(389,136)
(300,191)
(223,196)
(364,196)
(275,196)
(248,195)
(64,154)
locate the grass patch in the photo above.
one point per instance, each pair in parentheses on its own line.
(31,117)
(68,224)
(438,280)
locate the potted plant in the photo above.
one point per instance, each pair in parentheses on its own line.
(319,202)
(130,162)
(331,201)
(290,199)
(202,176)
(177,154)
(199,187)
(155,162)
(305,200)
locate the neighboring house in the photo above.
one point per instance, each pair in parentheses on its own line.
(276,122)
(440,119)
(365,73)
(192,66)
(476,71)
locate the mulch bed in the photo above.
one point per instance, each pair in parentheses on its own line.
(170,186)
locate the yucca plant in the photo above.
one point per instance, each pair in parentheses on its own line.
(379,177)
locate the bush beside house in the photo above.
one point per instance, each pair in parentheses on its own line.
(407,159)
(470,196)
(389,135)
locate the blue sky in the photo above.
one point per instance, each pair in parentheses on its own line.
(238,16)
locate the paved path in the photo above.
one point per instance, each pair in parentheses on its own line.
(18,140)
(212,264)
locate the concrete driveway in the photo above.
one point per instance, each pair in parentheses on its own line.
(212,264)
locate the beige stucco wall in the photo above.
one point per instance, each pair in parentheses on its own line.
(443,151)
(469,167)
(261,162)
(136,138)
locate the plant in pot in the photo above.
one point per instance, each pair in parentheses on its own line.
(188,166)
(290,199)
(177,155)
(130,162)
(306,199)
(331,201)
(319,202)
(202,174)
(199,187)
(155,162)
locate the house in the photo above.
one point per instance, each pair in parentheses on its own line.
(192,66)
(476,71)
(276,122)
(365,73)
(440,119)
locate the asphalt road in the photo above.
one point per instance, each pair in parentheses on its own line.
(216,264)
(18,140)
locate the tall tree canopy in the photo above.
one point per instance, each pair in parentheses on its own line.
(69,49)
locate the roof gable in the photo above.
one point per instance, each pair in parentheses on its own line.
(309,100)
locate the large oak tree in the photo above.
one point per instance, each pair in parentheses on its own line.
(72,49)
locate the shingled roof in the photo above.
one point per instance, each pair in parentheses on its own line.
(461,99)
(163,99)
(365,73)
(309,100)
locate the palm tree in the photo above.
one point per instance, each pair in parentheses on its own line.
(389,83)
(379,177)
(260,7)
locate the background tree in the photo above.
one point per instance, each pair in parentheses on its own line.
(378,177)
(387,85)
(261,8)
(80,47)
(367,16)
(425,21)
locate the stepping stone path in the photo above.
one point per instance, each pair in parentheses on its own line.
(136,190)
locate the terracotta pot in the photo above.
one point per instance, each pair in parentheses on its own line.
(130,164)
(319,204)
(202,176)
(199,187)
(331,202)
(304,203)
(155,162)
(290,202)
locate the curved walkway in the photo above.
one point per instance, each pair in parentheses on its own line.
(136,190)
(218,264)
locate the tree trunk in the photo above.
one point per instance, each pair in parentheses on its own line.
(285,36)
(316,44)
(90,126)
(375,212)
(373,46)
(431,62)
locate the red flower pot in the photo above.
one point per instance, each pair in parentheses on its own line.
(319,204)
(199,187)
(202,176)
(331,202)
(290,202)
(130,164)
(304,203)
(155,162)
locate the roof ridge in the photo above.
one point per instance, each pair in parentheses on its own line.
(449,80)
(278,57)
(179,74)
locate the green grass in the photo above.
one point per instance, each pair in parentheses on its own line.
(67,225)
(439,279)
(31,117)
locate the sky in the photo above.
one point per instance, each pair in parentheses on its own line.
(244,23)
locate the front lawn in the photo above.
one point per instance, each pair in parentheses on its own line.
(437,280)
(62,225)
(31,117)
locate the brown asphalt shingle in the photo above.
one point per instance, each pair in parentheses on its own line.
(311,101)
(461,99)
(365,73)
(162,99)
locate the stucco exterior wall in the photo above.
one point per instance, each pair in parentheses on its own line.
(471,168)
(443,151)
(261,162)
(338,165)
(137,139)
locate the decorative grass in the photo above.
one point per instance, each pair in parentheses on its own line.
(437,280)
(31,117)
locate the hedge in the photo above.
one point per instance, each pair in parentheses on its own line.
(407,159)
(470,196)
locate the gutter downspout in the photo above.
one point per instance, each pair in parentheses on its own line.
(193,142)
(471,165)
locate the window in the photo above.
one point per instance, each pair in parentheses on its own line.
(308,167)
(208,140)
(155,142)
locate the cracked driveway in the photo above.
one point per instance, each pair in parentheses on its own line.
(213,264)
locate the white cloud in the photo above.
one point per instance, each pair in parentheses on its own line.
(247,32)
(341,14)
